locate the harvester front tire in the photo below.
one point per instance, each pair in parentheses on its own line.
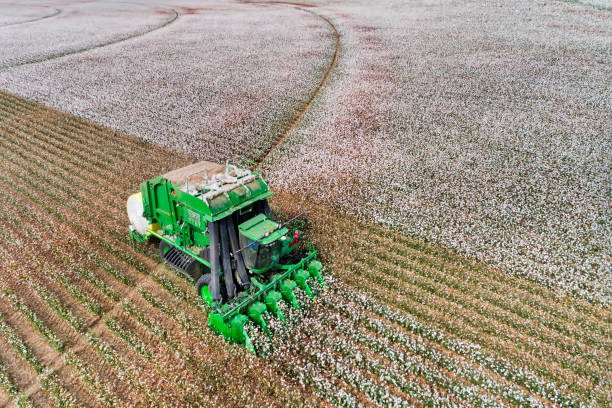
(204,281)
(202,288)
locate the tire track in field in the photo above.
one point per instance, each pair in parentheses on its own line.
(55,13)
(174,15)
(332,65)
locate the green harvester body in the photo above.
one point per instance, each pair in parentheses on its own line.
(214,225)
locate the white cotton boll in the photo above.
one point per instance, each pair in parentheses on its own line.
(481,151)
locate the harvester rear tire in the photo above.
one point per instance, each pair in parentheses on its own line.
(153,240)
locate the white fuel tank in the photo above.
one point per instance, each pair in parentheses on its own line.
(134,211)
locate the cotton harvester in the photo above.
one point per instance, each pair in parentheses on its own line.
(214,225)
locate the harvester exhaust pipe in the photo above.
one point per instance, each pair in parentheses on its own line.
(266,208)
(214,286)
(262,207)
(225,261)
(241,269)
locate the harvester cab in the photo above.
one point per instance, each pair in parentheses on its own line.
(214,225)
(263,242)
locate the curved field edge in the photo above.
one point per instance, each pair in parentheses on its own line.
(244,130)
(290,125)
(53,13)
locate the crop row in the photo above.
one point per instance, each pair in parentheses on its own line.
(46,377)
(9,386)
(473,352)
(80,326)
(108,271)
(411,267)
(122,334)
(58,304)
(446,292)
(469,313)
(129,329)
(460,323)
(73,293)
(416,371)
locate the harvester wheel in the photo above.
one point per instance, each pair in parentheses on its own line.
(202,288)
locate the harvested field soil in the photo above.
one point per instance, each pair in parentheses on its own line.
(89,319)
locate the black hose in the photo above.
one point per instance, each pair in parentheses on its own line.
(214,286)
(225,260)
(257,208)
(241,269)
(266,208)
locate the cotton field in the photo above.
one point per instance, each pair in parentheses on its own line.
(452,159)
(472,125)
(13,14)
(484,127)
